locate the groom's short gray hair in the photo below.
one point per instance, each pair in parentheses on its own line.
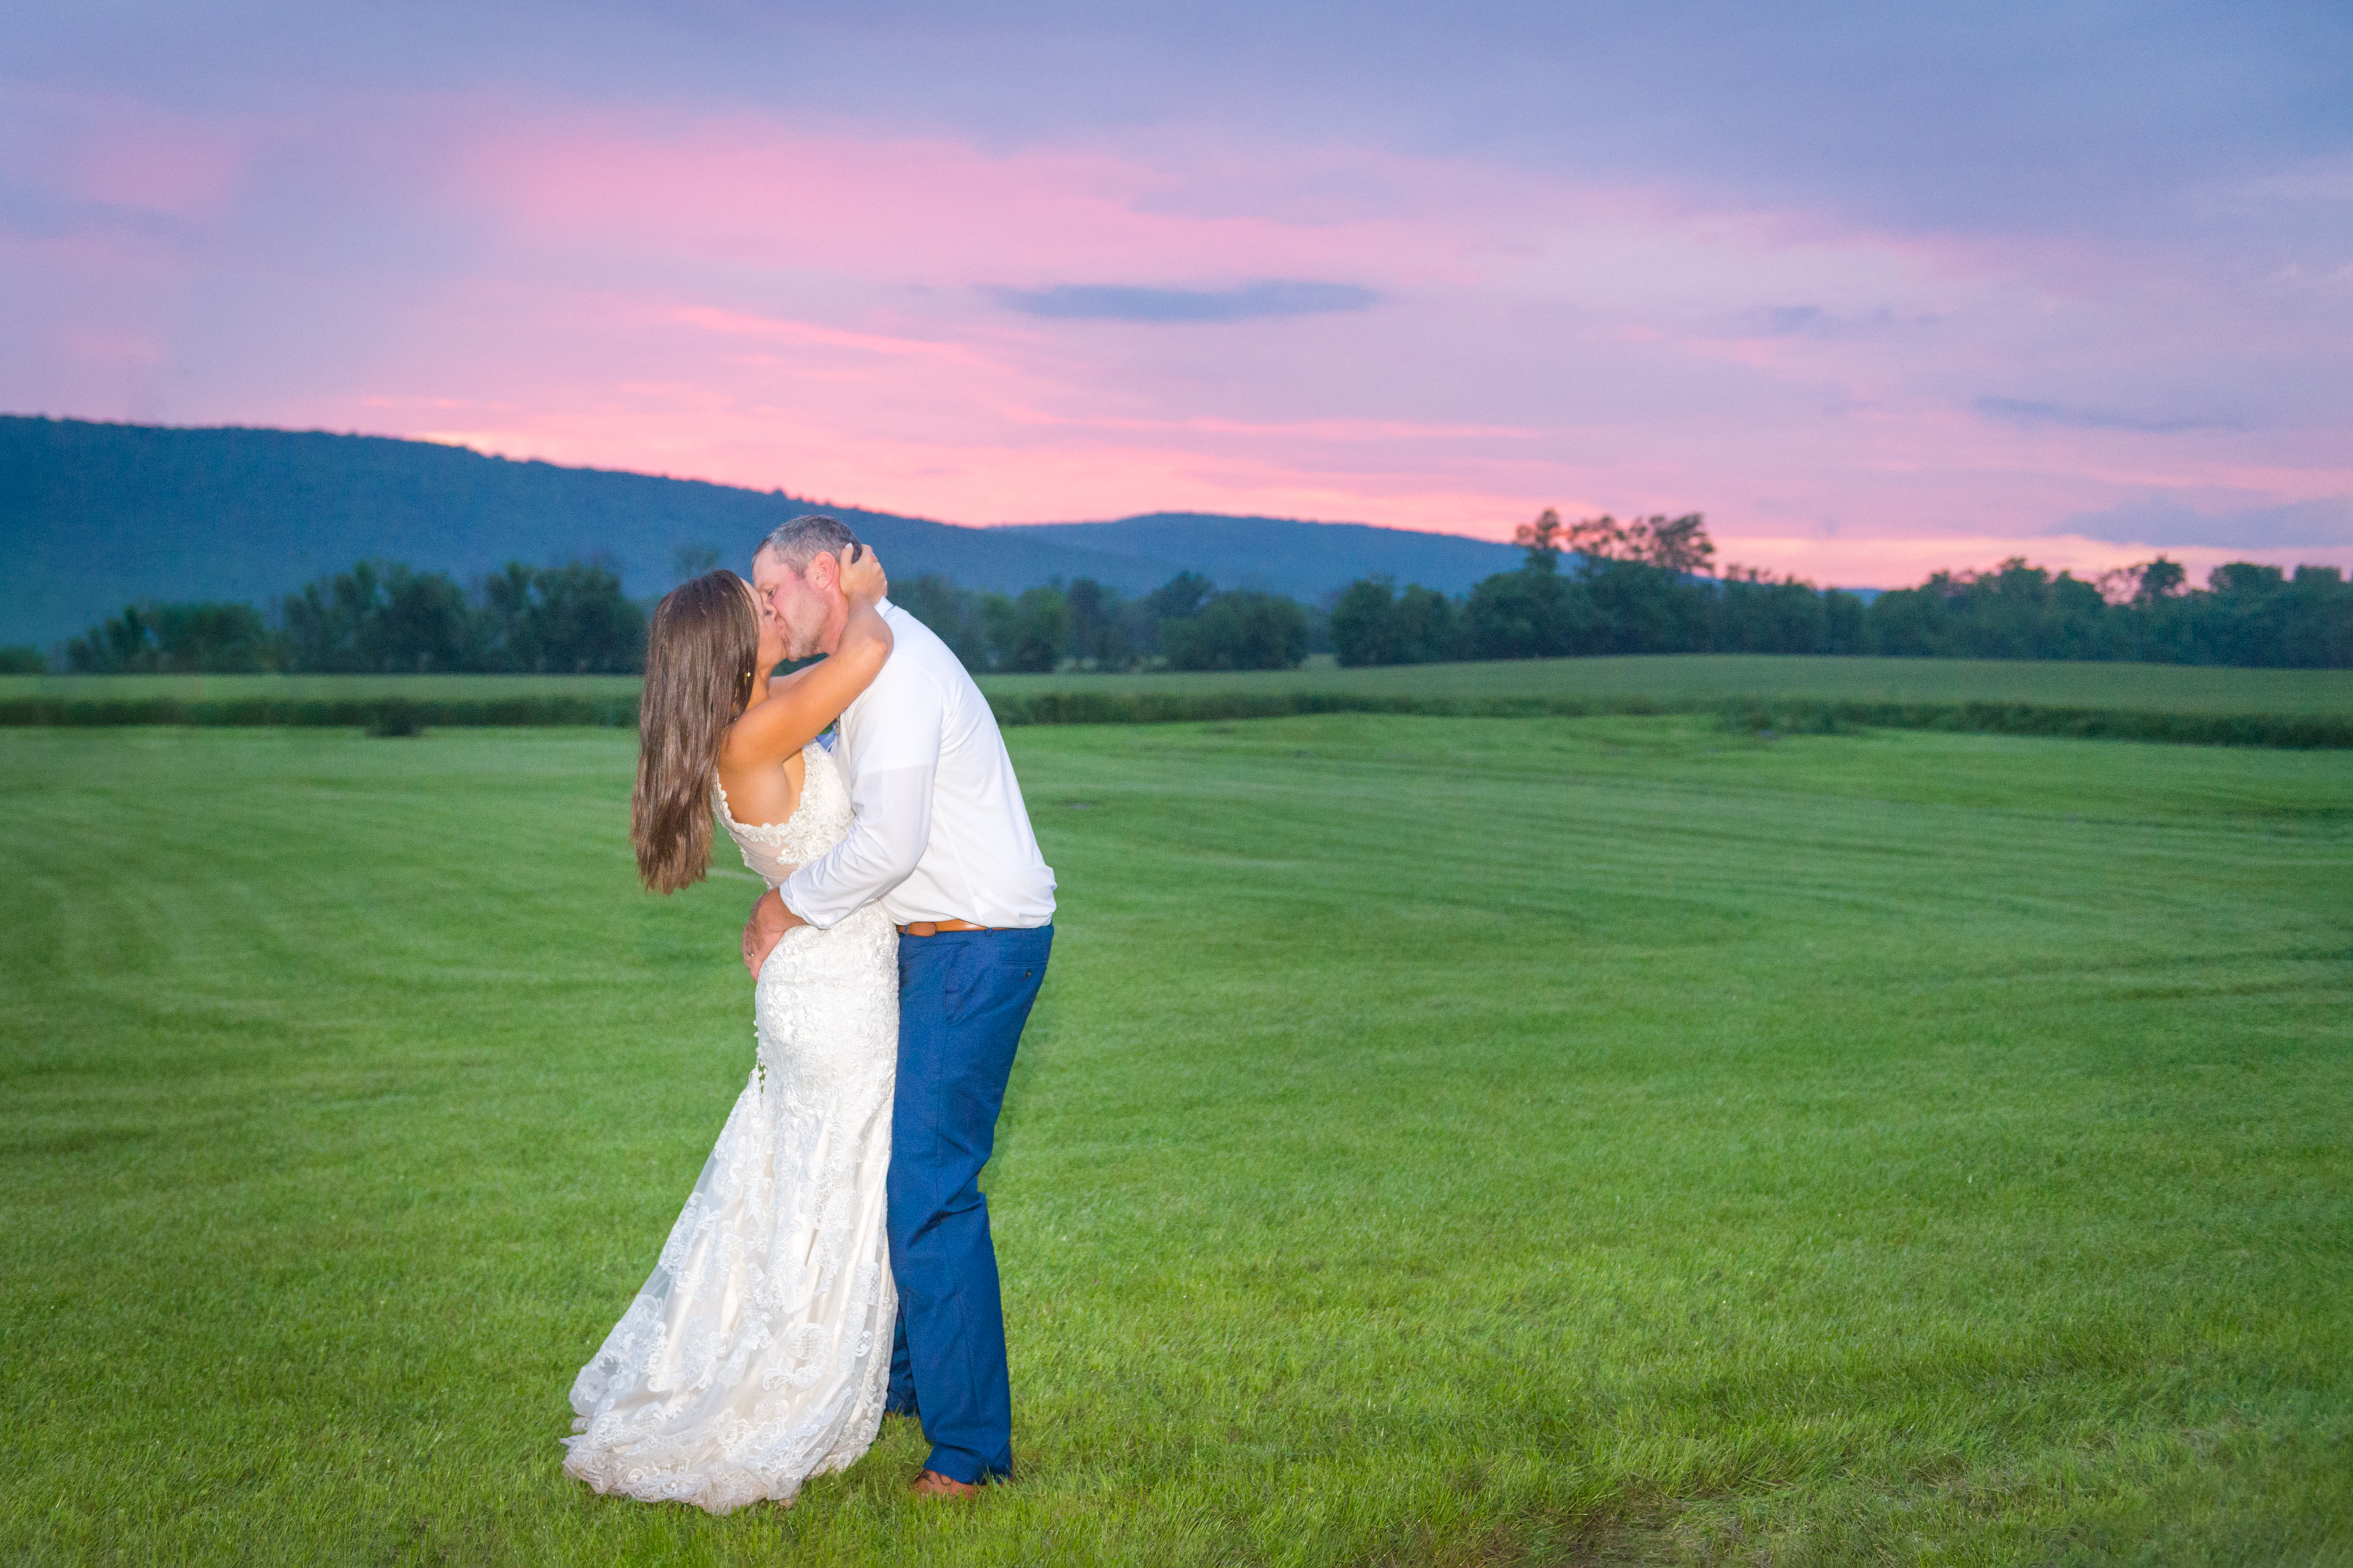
(804,539)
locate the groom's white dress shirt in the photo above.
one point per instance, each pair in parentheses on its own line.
(941,834)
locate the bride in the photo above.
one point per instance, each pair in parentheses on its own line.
(756,1353)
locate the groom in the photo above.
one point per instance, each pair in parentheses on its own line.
(943,840)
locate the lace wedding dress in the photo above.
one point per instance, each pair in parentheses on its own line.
(757,1355)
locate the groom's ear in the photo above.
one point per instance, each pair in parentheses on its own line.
(824,573)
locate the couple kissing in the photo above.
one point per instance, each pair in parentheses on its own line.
(833,1263)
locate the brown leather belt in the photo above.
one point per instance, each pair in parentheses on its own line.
(933,928)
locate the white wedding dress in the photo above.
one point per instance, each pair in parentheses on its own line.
(757,1355)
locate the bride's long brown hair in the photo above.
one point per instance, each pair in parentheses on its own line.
(700,656)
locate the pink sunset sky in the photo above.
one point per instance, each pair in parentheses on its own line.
(1879,296)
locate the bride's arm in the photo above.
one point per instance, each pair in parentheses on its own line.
(801,705)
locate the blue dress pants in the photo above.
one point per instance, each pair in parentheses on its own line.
(964,997)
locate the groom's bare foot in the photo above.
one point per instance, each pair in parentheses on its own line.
(931,1483)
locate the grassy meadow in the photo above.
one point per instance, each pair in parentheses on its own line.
(1666,678)
(313,688)
(1441,1141)
(1690,677)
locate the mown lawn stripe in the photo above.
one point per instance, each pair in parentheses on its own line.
(1441,1141)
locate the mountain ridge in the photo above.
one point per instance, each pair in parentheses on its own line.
(95,515)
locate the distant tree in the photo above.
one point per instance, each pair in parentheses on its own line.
(1180,597)
(1756,612)
(2248,614)
(1101,632)
(1542,540)
(2016,610)
(175,639)
(2240,618)
(391,619)
(582,624)
(1372,623)
(1531,613)
(2318,608)
(119,644)
(2160,579)
(2248,579)
(1676,544)
(1241,630)
(327,623)
(2144,585)
(1912,623)
(1030,633)
(1429,626)
(953,614)
(381,620)
(211,638)
(421,625)
(1671,544)
(1846,623)
(1631,607)
(506,634)
(23,659)
(1360,625)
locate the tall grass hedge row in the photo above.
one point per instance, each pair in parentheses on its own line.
(1793,715)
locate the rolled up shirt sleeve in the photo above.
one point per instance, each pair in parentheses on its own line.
(893,825)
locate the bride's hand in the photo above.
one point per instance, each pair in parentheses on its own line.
(863,579)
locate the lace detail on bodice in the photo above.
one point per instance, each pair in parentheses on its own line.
(820,821)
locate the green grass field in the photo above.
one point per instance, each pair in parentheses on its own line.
(1666,678)
(1670,678)
(1440,1141)
(313,688)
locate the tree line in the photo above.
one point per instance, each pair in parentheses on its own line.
(1594,586)
(392,619)
(1650,587)
(1184,623)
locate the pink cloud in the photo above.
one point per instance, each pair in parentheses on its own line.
(746,301)
(162,170)
(751,192)
(123,152)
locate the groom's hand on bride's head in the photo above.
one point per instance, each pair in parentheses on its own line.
(766,928)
